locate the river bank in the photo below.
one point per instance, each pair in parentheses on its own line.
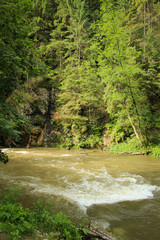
(126,148)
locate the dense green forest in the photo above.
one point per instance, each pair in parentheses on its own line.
(79,73)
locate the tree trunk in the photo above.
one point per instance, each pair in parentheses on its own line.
(134,128)
(144,29)
(136,110)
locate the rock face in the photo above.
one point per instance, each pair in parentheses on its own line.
(40,139)
(38,104)
(36,138)
(40,109)
(47,128)
(107,140)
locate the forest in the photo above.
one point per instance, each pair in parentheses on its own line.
(80,73)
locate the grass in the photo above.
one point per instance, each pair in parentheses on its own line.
(156,151)
(133,146)
(126,147)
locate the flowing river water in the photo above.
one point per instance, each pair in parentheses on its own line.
(116,191)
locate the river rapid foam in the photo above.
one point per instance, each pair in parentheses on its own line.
(83,184)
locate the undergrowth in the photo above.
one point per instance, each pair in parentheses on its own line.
(17,221)
(3,157)
(132,147)
(156,151)
(125,147)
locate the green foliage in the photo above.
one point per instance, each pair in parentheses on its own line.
(156,151)
(93,141)
(43,219)
(66,227)
(94,138)
(7,123)
(18,221)
(116,131)
(82,134)
(132,145)
(75,74)
(125,147)
(3,157)
(15,58)
(14,219)
(12,124)
(125,91)
(39,120)
(16,64)
(99,56)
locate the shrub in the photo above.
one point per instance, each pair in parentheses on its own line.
(3,157)
(125,147)
(66,227)
(18,221)
(156,151)
(43,218)
(39,120)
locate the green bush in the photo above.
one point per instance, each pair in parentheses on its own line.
(18,221)
(133,146)
(66,227)
(156,151)
(43,219)
(3,157)
(39,120)
(93,141)
(125,147)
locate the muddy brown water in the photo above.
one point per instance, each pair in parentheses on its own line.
(117,192)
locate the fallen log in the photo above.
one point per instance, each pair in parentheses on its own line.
(96,233)
(144,152)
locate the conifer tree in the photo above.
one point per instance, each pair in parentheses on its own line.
(78,73)
(76,70)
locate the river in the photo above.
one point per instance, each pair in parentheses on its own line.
(115,191)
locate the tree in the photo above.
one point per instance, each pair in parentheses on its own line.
(15,45)
(143,22)
(56,48)
(75,70)
(15,62)
(124,93)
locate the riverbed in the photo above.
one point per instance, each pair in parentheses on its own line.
(118,192)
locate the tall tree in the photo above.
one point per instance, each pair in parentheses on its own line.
(57,46)
(124,93)
(143,22)
(76,70)
(15,46)
(15,63)
(78,74)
